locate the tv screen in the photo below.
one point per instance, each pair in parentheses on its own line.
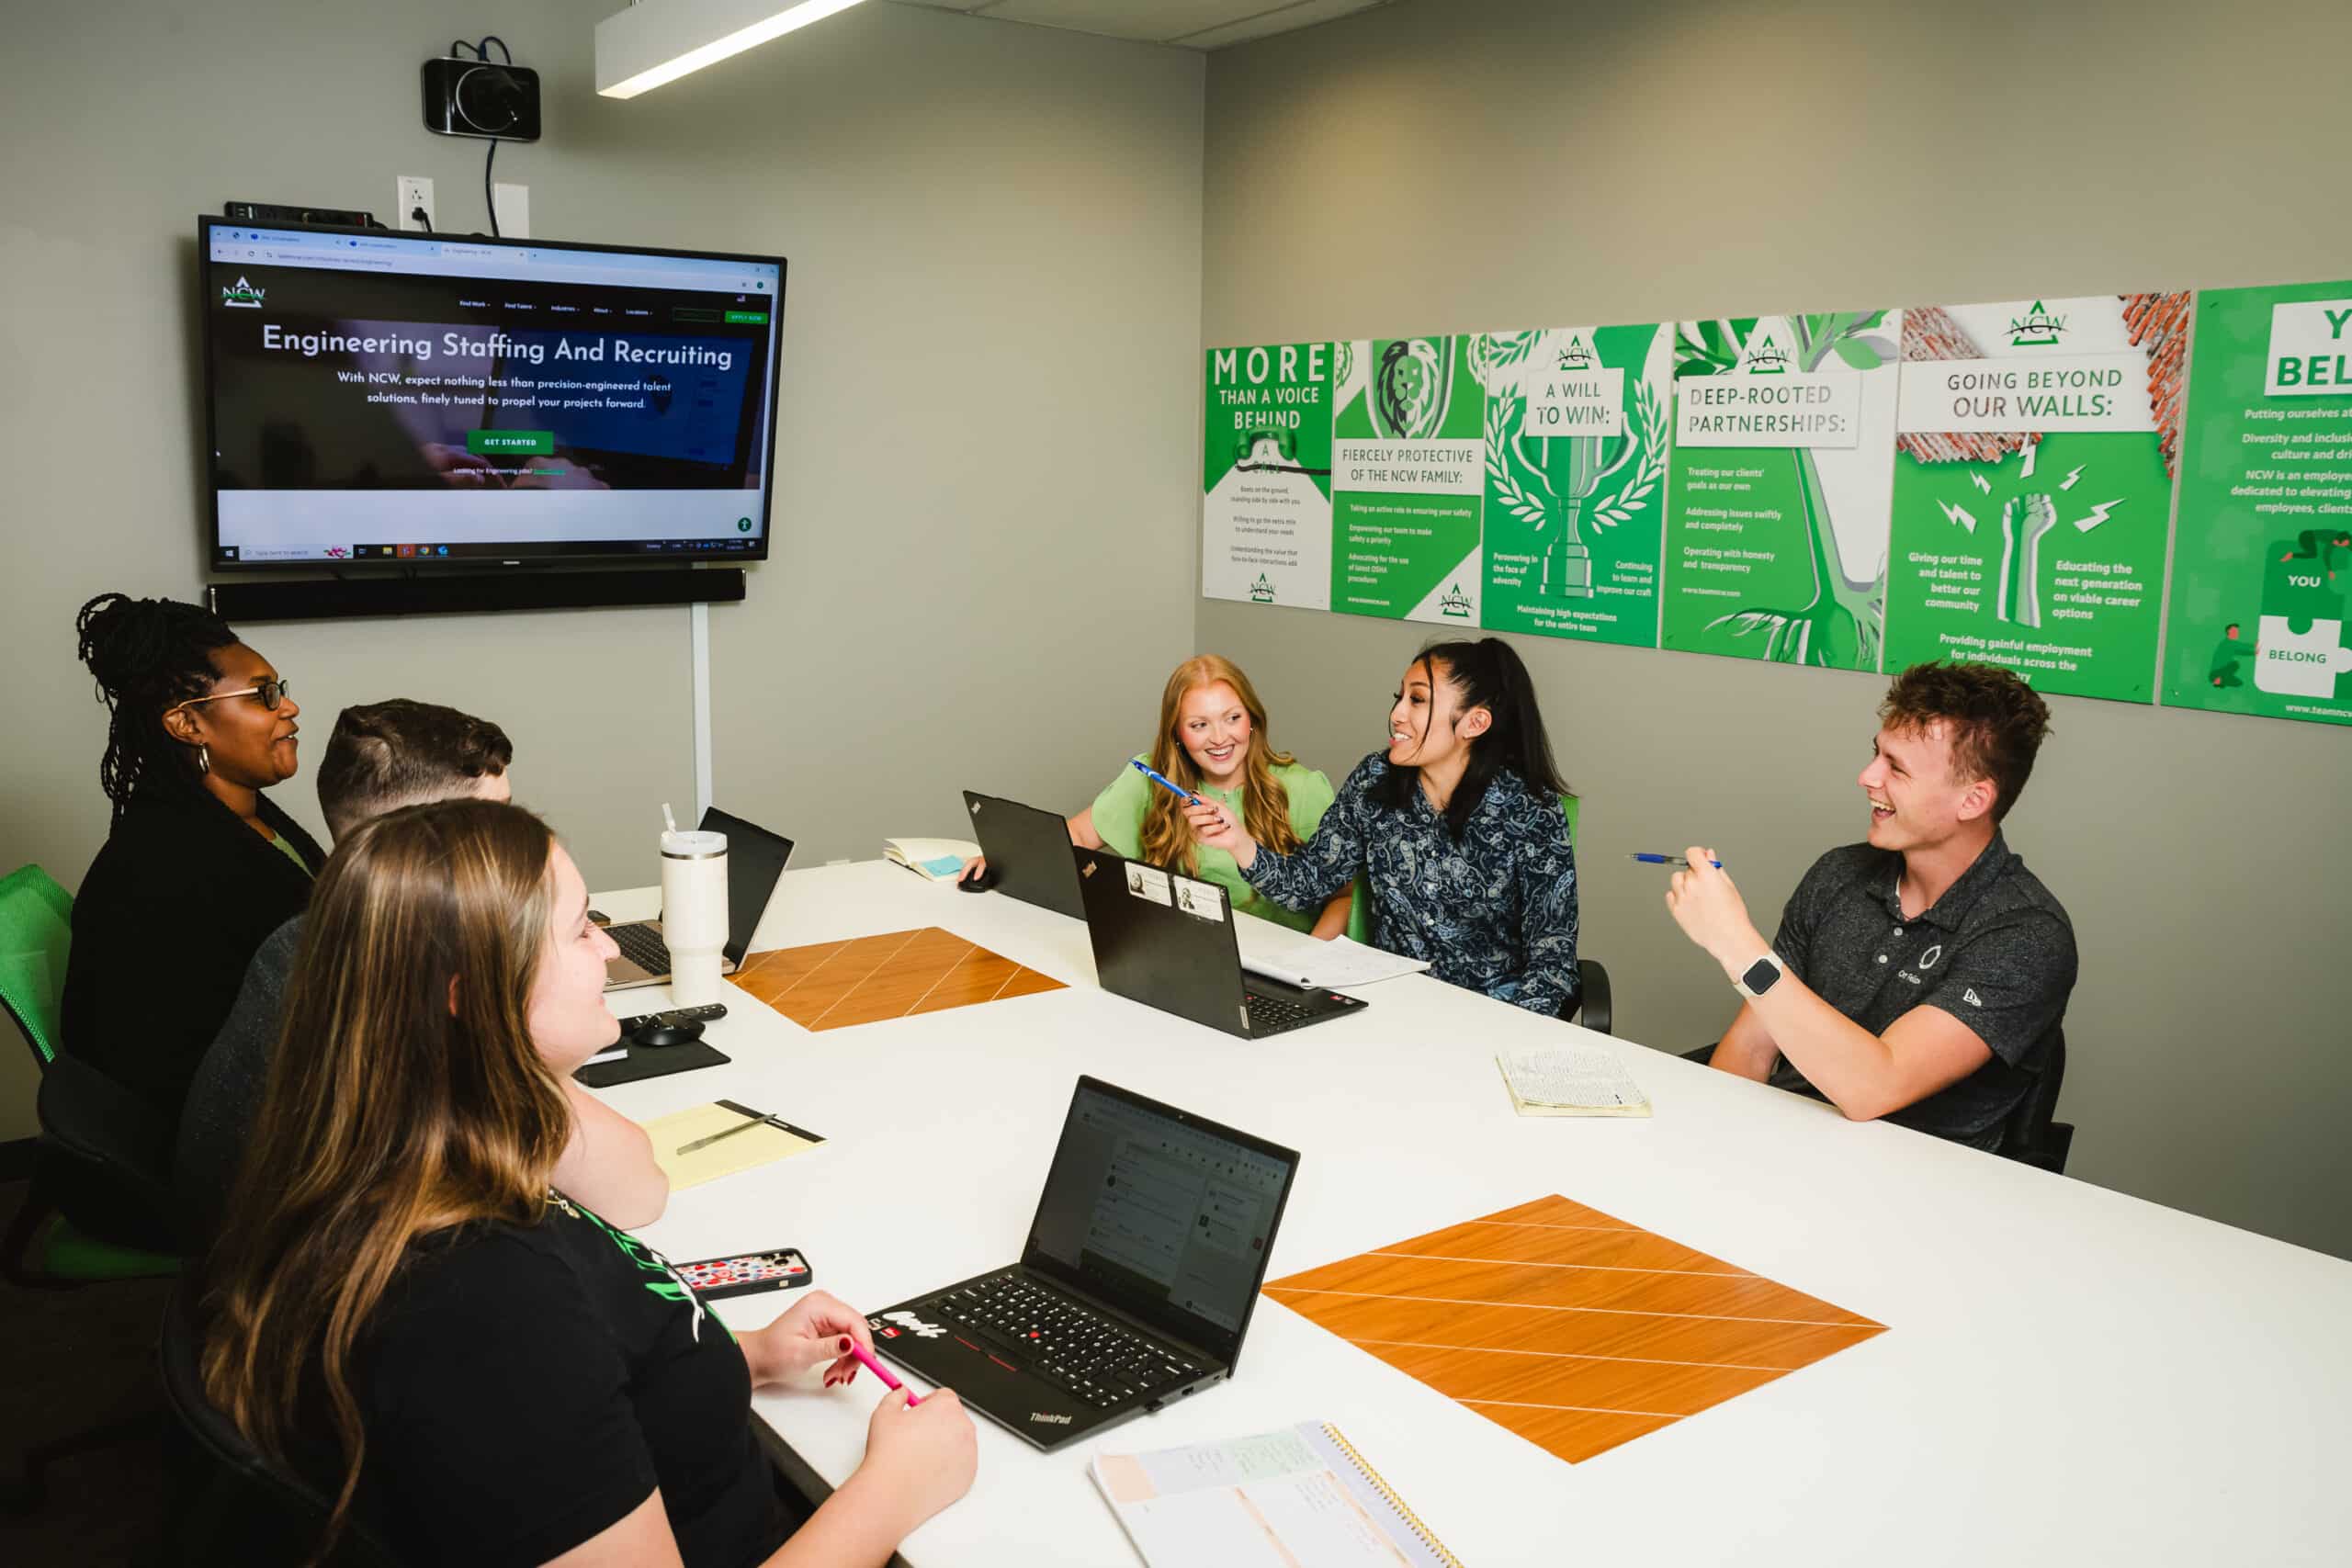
(414,399)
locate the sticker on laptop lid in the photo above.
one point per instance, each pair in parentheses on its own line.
(1150,882)
(1198,898)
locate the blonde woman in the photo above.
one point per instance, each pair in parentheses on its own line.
(402,1305)
(1213,739)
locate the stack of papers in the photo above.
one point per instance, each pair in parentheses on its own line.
(1571,1080)
(1294,958)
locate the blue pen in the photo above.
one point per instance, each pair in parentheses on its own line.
(1671,860)
(1163,781)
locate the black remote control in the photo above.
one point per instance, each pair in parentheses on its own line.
(674,1016)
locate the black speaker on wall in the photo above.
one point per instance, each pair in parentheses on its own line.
(353,598)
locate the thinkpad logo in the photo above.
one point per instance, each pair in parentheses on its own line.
(1048,1419)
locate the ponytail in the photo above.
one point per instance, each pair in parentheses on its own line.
(1488,674)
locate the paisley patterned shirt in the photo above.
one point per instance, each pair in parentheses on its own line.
(1496,912)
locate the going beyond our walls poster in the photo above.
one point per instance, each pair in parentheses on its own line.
(2033,476)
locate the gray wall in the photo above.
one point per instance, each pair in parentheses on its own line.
(990,332)
(1484,163)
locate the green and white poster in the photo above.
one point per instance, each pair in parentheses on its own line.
(1576,445)
(2033,480)
(2262,558)
(1778,488)
(1266,488)
(1408,478)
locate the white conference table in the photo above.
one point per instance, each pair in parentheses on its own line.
(2069,1375)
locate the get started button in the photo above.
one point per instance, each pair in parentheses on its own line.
(532,443)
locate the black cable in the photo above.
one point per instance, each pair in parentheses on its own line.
(457,44)
(487,200)
(493,38)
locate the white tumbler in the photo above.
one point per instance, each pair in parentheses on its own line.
(694,912)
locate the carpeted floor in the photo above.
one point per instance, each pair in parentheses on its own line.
(70,1361)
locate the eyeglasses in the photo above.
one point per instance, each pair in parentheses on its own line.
(271,694)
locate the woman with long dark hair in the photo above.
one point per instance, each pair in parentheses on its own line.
(403,1306)
(1459,827)
(201,865)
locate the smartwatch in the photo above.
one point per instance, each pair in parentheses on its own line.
(1759,977)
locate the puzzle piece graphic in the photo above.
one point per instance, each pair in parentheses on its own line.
(2296,590)
(2301,663)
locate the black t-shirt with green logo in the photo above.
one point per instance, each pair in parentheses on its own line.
(526,1387)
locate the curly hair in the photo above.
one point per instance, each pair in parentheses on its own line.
(1994,721)
(148,655)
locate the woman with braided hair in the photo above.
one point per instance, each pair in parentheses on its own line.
(201,865)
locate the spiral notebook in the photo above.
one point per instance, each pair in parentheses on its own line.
(1301,1498)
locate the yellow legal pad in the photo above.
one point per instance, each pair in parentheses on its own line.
(757,1145)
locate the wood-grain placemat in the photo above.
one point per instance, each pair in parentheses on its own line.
(1574,1329)
(832,985)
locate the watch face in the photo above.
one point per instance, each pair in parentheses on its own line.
(1761,976)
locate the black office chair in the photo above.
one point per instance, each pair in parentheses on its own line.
(251,1510)
(2031,1136)
(1593,1010)
(92,1168)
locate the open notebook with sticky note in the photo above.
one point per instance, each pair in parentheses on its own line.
(1301,1498)
(703,1142)
(942,860)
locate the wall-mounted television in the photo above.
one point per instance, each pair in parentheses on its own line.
(417,400)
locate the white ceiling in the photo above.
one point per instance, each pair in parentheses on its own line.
(1193,23)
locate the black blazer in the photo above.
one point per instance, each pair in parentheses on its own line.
(181,895)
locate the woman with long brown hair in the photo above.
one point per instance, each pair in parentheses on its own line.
(1212,740)
(402,1306)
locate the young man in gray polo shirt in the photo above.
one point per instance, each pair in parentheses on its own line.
(1920,976)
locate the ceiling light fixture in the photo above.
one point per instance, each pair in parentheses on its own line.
(659,40)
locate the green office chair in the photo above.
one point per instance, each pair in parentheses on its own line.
(1593,1010)
(78,1106)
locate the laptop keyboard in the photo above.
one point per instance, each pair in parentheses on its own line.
(1093,1356)
(1272,1015)
(642,947)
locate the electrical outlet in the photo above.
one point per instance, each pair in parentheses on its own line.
(413,193)
(514,209)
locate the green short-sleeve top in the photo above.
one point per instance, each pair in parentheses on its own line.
(1118,817)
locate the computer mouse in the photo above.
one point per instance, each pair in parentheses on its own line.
(655,1035)
(979,882)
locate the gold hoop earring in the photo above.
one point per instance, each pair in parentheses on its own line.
(203,758)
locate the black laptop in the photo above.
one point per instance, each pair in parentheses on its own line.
(1135,1287)
(755,860)
(1028,853)
(1167,940)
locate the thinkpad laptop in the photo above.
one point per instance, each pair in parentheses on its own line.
(1136,1284)
(755,860)
(1028,853)
(1167,940)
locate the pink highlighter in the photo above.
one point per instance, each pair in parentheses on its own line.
(879,1371)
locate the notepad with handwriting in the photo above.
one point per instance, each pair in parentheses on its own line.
(1571,1080)
(1301,1498)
